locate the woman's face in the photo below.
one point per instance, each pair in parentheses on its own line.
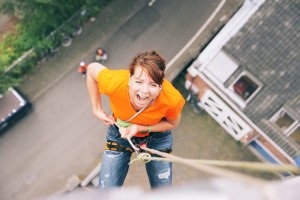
(142,89)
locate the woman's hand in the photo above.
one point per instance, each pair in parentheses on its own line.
(124,132)
(130,131)
(105,118)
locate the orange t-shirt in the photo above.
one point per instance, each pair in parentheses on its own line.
(114,84)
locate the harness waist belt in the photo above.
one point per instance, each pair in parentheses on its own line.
(114,146)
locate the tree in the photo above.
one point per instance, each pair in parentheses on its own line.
(37,19)
(40,17)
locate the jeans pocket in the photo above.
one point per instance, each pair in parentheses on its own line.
(112,158)
(113,153)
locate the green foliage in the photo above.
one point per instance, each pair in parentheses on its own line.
(6,82)
(40,17)
(37,19)
(8,50)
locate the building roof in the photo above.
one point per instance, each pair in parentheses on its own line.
(268,47)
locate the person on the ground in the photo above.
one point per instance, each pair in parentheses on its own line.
(101,55)
(83,68)
(145,107)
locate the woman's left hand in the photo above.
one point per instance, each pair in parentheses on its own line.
(130,131)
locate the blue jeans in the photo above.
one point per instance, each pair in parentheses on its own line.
(114,166)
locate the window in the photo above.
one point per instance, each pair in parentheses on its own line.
(284,121)
(288,124)
(245,86)
(296,135)
(220,70)
(222,67)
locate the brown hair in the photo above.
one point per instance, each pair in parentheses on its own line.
(152,62)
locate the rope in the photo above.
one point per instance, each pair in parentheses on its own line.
(210,165)
(146,157)
(206,168)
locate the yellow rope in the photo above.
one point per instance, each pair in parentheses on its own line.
(209,166)
(146,157)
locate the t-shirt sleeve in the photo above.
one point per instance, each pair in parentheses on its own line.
(112,81)
(103,79)
(176,109)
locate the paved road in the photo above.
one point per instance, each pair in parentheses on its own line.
(61,137)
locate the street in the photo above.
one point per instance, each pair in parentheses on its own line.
(61,137)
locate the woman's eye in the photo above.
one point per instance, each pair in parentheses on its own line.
(153,85)
(139,82)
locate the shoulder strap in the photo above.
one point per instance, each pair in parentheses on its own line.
(139,112)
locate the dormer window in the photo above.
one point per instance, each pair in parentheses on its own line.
(288,124)
(283,120)
(244,87)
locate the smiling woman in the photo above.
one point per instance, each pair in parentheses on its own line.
(145,108)
(143,90)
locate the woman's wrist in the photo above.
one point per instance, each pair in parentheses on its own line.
(144,129)
(97,109)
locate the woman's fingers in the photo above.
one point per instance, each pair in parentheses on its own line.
(106,119)
(124,132)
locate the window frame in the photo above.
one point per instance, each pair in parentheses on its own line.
(292,127)
(237,97)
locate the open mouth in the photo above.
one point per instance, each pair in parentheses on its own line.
(141,99)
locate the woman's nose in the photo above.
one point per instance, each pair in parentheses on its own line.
(144,88)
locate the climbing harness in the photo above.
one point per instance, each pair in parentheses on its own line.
(135,143)
(113,146)
(121,148)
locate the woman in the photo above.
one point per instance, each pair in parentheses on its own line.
(145,107)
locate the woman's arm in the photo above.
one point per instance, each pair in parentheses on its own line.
(162,126)
(92,86)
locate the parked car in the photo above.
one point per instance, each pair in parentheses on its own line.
(13,106)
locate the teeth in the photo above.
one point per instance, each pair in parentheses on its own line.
(141,98)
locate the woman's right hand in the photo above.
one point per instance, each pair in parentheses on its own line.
(105,118)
